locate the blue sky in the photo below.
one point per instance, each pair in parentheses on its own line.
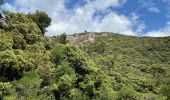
(130,17)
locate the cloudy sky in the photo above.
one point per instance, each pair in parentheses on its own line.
(130,17)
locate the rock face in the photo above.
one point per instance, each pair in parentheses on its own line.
(2,15)
(79,39)
(2,18)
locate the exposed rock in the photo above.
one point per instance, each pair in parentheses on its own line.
(79,39)
(2,18)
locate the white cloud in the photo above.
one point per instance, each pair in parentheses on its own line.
(154,9)
(81,18)
(150,5)
(140,28)
(167,5)
(156,34)
(8,7)
(138,24)
(114,23)
(134,17)
(160,32)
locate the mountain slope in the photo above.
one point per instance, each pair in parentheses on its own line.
(140,62)
(93,66)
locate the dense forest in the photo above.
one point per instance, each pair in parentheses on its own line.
(112,67)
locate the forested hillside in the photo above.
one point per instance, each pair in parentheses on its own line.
(112,67)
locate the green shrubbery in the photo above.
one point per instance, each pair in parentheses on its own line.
(132,61)
(114,67)
(75,70)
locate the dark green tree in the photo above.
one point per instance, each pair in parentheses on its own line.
(41,19)
(75,70)
(63,38)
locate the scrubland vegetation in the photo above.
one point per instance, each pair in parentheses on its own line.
(113,67)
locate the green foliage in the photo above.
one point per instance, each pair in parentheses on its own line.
(22,49)
(32,38)
(165,90)
(19,24)
(158,69)
(106,94)
(127,94)
(76,70)
(41,19)
(19,42)
(65,77)
(14,63)
(48,43)
(97,47)
(5,41)
(113,67)
(63,38)
(151,96)
(28,86)
(6,90)
(131,61)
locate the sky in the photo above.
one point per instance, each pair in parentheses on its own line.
(129,17)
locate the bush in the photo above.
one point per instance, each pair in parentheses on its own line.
(157,69)
(5,40)
(15,64)
(6,90)
(76,70)
(127,94)
(19,42)
(63,38)
(28,86)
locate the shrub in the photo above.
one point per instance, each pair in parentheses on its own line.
(6,90)
(15,64)
(127,94)
(19,42)
(28,86)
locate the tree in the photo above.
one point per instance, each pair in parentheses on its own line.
(21,29)
(41,19)
(63,38)
(75,70)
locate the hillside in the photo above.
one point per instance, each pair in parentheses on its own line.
(87,66)
(140,62)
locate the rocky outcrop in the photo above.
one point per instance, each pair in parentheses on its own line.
(2,18)
(79,39)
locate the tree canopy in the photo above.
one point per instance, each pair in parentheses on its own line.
(41,19)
